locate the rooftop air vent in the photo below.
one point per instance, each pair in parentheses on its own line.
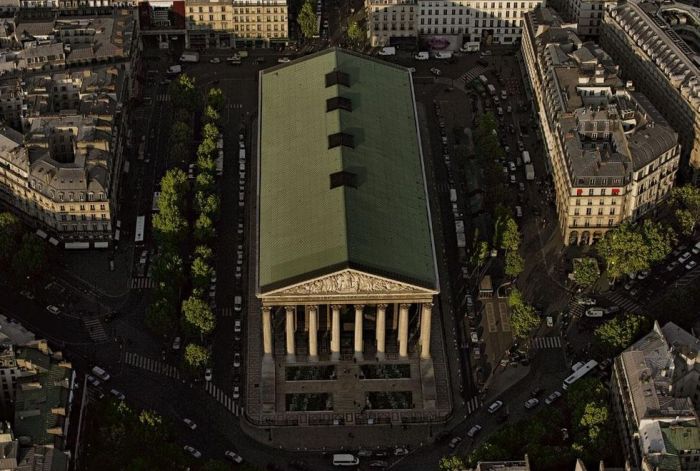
(341,139)
(338,102)
(343,179)
(337,78)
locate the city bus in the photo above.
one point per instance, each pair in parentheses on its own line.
(140,228)
(579,373)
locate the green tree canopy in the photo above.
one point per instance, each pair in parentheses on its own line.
(619,332)
(307,20)
(204,252)
(211,116)
(161,317)
(168,268)
(198,315)
(630,249)
(523,317)
(514,263)
(215,99)
(586,271)
(207,204)
(196,356)
(30,258)
(169,223)
(451,463)
(183,93)
(210,132)
(590,416)
(356,34)
(201,273)
(10,233)
(204,228)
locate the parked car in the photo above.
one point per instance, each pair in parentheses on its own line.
(643,274)
(586,301)
(117,394)
(495,406)
(236,392)
(379,464)
(234,457)
(672,266)
(595,312)
(176,343)
(207,374)
(283,60)
(696,248)
(454,442)
(92,380)
(400,451)
(237,360)
(27,294)
(530,403)
(435,71)
(53,309)
(192,451)
(215,60)
(190,424)
(691,264)
(552,397)
(473,431)
(237,326)
(683,258)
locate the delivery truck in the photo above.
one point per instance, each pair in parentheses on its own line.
(529,172)
(526,157)
(453,195)
(492,89)
(192,57)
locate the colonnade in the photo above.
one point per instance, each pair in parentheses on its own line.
(311,311)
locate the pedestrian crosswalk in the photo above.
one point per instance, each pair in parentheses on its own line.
(163,97)
(546,342)
(236,106)
(226,312)
(227,401)
(155,366)
(473,404)
(95,329)
(141,283)
(624,303)
(473,73)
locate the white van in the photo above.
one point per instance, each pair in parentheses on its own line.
(518,212)
(422,56)
(237,303)
(526,157)
(100,373)
(345,460)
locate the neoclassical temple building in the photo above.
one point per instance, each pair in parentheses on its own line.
(343,325)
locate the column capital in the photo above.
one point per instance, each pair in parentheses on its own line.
(266,308)
(428,305)
(337,306)
(382,306)
(289,308)
(312,307)
(359,306)
(404,305)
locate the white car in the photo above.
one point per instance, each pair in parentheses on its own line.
(595,312)
(233,457)
(530,403)
(691,264)
(53,309)
(190,424)
(237,360)
(283,60)
(696,248)
(474,336)
(683,258)
(454,442)
(473,431)
(192,451)
(586,301)
(552,397)
(117,394)
(215,60)
(400,451)
(672,266)
(237,326)
(207,374)
(643,274)
(176,343)
(92,380)
(495,406)
(236,392)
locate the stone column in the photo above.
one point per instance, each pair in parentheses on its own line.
(381,331)
(335,332)
(358,331)
(313,330)
(403,330)
(267,330)
(425,318)
(289,329)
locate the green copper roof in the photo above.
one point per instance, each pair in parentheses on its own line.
(308,229)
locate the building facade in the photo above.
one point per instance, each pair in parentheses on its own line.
(447,24)
(587,14)
(60,170)
(345,275)
(654,387)
(209,23)
(655,45)
(612,154)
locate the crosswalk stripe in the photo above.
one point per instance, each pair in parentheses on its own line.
(142,283)
(473,404)
(473,73)
(546,342)
(224,399)
(95,329)
(226,312)
(150,364)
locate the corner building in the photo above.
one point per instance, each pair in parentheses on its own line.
(346,275)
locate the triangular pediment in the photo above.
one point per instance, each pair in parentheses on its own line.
(350,282)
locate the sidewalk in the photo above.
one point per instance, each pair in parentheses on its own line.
(91,268)
(502,379)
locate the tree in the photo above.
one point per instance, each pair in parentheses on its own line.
(211,116)
(201,273)
(206,150)
(10,232)
(203,228)
(215,99)
(685,222)
(586,271)
(168,268)
(511,235)
(619,332)
(183,93)
(30,258)
(180,133)
(307,20)
(169,223)
(590,416)
(206,204)
(199,315)
(514,263)
(523,318)
(204,252)
(451,463)
(196,356)
(210,132)
(356,34)
(205,178)
(629,249)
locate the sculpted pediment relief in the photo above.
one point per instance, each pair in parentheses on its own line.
(349,282)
